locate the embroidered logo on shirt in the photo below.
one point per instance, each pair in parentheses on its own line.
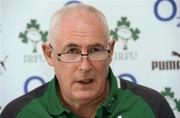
(119,116)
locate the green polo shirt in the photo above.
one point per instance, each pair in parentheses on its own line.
(122,102)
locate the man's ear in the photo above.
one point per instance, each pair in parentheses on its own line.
(47,51)
(111,45)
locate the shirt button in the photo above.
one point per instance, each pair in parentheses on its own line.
(109,105)
(112,99)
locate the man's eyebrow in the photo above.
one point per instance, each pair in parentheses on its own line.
(70,45)
(96,45)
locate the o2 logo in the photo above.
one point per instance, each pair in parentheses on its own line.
(171,15)
(33,82)
(128,76)
(72,2)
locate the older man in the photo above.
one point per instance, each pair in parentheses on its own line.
(80,50)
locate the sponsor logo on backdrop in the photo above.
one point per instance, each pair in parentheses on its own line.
(128,76)
(124,32)
(33,35)
(31,83)
(170,97)
(164,65)
(174,53)
(3,65)
(159,11)
(72,2)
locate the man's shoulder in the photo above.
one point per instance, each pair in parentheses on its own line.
(139,90)
(15,106)
(153,98)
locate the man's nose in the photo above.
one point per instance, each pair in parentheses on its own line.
(85,63)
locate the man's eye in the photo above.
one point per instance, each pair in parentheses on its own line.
(93,50)
(73,51)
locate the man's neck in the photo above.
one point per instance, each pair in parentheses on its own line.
(86,109)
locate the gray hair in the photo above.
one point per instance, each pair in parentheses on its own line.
(56,18)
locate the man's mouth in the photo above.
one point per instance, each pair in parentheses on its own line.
(86,81)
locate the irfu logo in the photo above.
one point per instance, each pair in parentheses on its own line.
(124,32)
(169,95)
(33,34)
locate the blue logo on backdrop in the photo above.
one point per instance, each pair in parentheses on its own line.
(30,79)
(174,10)
(72,2)
(128,76)
(170,16)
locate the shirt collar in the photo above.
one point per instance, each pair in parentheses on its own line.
(55,106)
(110,101)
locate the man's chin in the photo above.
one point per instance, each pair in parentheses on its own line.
(84,96)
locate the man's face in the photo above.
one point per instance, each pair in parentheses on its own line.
(84,80)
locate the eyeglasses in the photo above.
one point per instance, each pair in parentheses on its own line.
(98,55)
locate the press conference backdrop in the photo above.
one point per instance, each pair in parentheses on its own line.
(147,50)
